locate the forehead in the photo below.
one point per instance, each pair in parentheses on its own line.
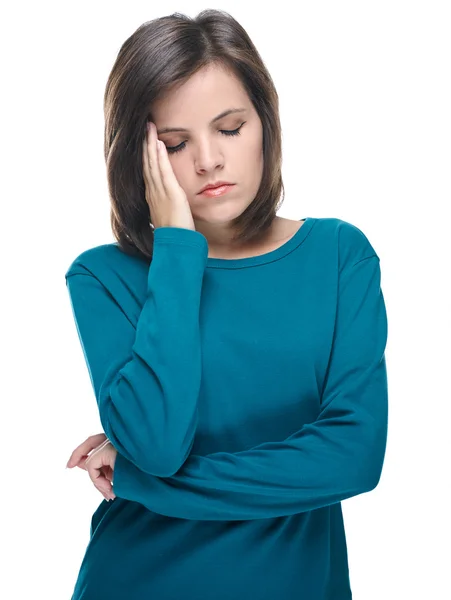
(204,95)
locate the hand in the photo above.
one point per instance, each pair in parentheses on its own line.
(99,464)
(168,204)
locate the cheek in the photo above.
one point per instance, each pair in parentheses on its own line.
(254,157)
(255,145)
(254,153)
(178,171)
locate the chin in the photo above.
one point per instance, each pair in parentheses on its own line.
(219,213)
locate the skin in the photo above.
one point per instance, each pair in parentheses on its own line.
(97,456)
(209,155)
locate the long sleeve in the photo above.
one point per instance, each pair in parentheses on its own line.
(146,377)
(337,456)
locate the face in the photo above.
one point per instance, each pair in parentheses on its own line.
(228,149)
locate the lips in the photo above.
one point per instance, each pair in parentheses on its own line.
(217,191)
(212,186)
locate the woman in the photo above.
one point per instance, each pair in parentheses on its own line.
(237,357)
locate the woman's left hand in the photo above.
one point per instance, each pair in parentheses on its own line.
(99,463)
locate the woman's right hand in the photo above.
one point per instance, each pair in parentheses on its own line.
(167,201)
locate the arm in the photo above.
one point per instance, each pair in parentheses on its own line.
(146,378)
(338,456)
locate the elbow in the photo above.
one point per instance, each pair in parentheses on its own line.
(167,465)
(151,454)
(161,465)
(371,472)
(167,469)
(361,482)
(147,458)
(363,466)
(173,464)
(372,480)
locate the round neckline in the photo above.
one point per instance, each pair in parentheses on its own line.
(261,259)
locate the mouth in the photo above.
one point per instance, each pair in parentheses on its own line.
(217,191)
(214,184)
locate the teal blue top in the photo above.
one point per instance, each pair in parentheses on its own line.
(246,399)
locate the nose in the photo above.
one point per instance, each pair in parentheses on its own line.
(208,157)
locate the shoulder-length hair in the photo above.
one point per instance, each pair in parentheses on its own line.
(159,55)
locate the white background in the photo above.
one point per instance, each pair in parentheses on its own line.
(366,109)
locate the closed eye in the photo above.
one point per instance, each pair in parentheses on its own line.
(173,149)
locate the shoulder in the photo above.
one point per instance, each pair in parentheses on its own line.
(98,261)
(106,273)
(346,233)
(350,241)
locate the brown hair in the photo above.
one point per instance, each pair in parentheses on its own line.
(160,54)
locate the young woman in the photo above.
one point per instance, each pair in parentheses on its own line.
(237,357)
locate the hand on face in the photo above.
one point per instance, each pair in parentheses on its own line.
(168,204)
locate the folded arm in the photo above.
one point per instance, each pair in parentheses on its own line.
(336,457)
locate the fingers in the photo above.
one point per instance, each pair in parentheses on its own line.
(169,182)
(81,463)
(97,450)
(96,463)
(102,445)
(146,166)
(85,448)
(151,162)
(84,459)
(95,466)
(100,482)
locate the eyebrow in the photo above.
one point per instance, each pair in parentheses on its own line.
(220,116)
